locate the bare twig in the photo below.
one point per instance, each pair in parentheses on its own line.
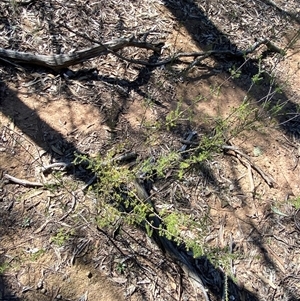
(62,165)
(71,209)
(22,182)
(268,179)
(252,186)
(13,64)
(20,2)
(42,227)
(134,42)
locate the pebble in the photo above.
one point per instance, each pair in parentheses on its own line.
(89,274)
(39,285)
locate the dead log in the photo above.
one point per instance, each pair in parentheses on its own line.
(57,62)
(60,61)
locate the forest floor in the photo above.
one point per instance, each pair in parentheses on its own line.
(51,248)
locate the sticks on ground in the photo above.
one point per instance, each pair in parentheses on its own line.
(60,61)
(22,182)
(268,179)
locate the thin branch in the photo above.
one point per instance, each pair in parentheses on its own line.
(71,209)
(22,182)
(19,2)
(62,165)
(60,61)
(134,41)
(268,179)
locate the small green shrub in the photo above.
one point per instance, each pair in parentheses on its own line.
(36,255)
(120,198)
(296,202)
(61,237)
(234,72)
(4,267)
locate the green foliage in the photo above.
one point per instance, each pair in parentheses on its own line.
(215,90)
(121,267)
(226,287)
(119,199)
(108,215)
(164,163)
(4,267)
(26,222)
(234,72)
(149,229)
(184,229)
(61,237)
(52,187)
(36,255)
(172,222)
(257,78)
(274,109)
(296,202)
(222,257)
(174,115)
(245,117)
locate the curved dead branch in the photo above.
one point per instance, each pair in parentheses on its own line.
(19,2)
(61,61)
(22,182)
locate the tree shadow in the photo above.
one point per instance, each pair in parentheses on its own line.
(22,116)
(208,37)
(200,27)
(7,291)
(28,121)
(293,16)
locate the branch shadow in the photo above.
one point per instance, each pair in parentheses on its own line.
(28,121)
(293,16)
(7,292)
(199,27)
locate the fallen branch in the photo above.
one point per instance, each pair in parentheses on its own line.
(22,182)
(60,61)
(268,179)
(71,208)
(19,2)
(61,165)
